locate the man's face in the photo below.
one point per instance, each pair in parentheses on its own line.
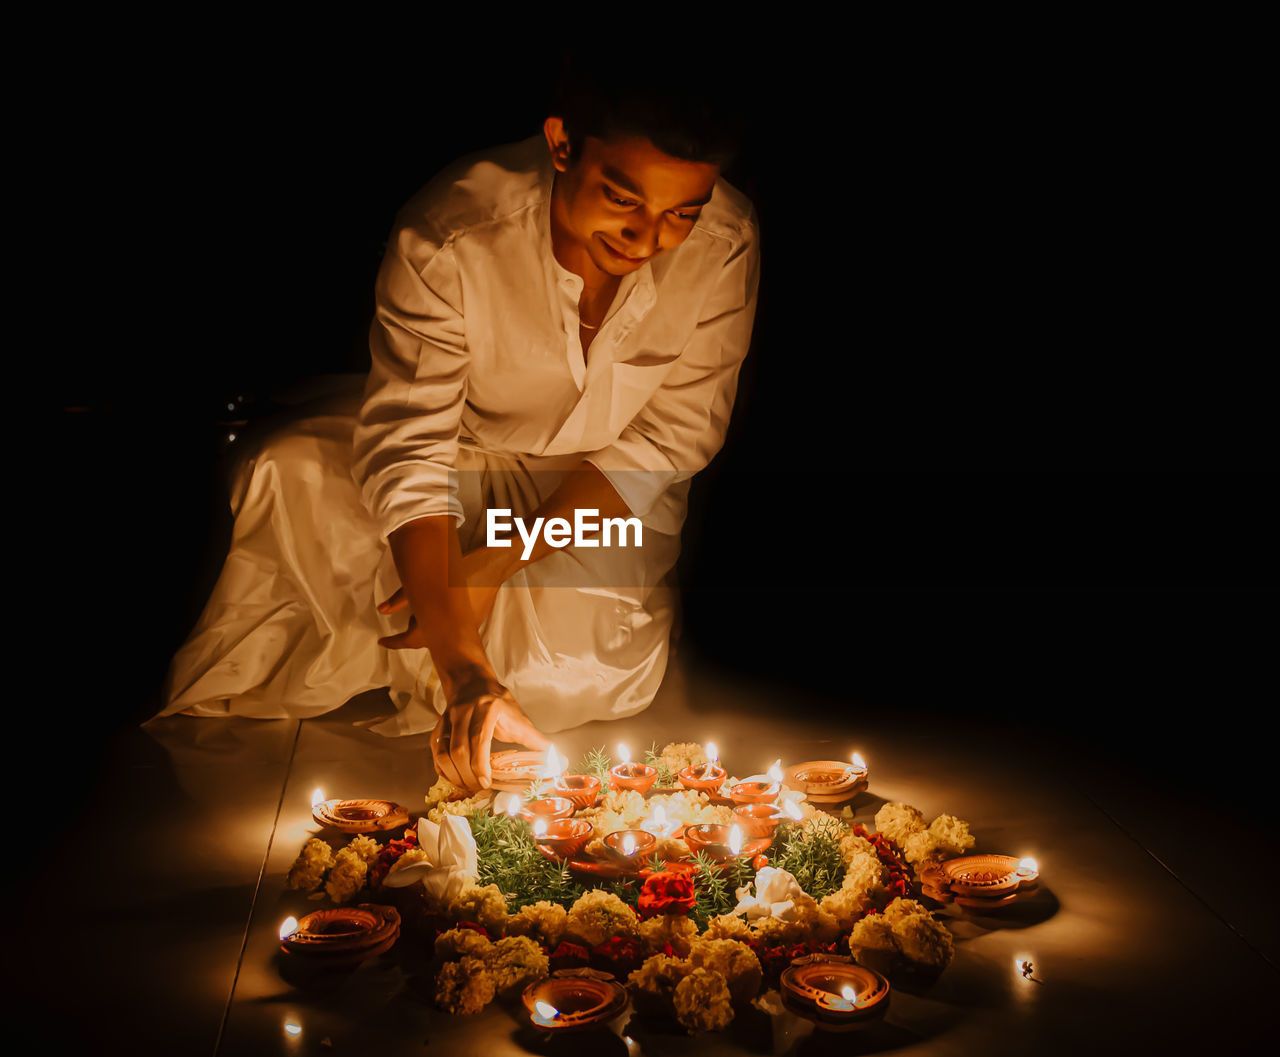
(623,200)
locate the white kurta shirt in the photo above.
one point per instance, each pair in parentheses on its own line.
(475,344)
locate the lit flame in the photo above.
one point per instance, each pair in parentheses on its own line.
(713,754)
(848,993)
(539,827)
(859,764)
(624,754)
(735,839)
(513,807)
(555,764)
(317,797)
(1028,866)
(775,772)
(659,814)
(792,809)
(546,1010)
(628,845)
(292,1028)
(288,927)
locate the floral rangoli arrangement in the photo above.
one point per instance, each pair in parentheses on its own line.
(692,934)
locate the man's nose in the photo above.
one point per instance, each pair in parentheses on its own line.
(641,234)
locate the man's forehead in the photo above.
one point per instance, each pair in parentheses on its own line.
(637,166)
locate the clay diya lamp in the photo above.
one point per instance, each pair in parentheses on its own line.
(756,790)
(359,816)
(341,938)
(829,781)
(718,842)
(548,808)
(513,770)
(574,999)
(834,992)
(628,775)
(630,847)
(758,820)
(705,777)
(981,882)
(582,789)
(563,837)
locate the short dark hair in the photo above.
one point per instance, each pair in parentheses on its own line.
(686,109)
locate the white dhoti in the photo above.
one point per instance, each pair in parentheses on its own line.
(291,628)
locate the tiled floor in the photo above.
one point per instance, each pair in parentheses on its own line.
(171,889)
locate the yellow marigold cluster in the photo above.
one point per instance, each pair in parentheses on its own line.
(867,876)
(459,943)
(728,927)
(543,921)
(468,806)
(733,960)
(627,803)
(668,849)
(653,985)
(486,906)
(811,921)
(514,963)
(846,905)
(346,876)
(464,986)
(366,847)
(944,838)
(675,929)
(681,754)
(852,844)
(898,821)
(905,929)
(308,868)
(690,807)
(702,1001)
(827,825)
(440,792)
(597,916)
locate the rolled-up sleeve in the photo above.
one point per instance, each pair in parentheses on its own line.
(683,425)
(406,436)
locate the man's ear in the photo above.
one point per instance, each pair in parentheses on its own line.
(558,141)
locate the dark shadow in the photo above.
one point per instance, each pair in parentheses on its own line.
(590,1042)
(1034,911)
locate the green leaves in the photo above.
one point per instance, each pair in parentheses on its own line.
(666,776)
(811,856)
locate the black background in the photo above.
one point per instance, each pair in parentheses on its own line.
(992,455)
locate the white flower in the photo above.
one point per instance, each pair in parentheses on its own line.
(776,895)
(450,863)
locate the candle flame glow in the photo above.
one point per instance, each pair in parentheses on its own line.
(546,1010)
(628,845)
(848,993)
(292,1028)
(513,807)
(775,772)
(792,809)
(288,927)
(555,764)
(858,762)
(624,754)
(317,797)
(539,827)
(659,814)
(1028,866)
(735,839)
(713,754)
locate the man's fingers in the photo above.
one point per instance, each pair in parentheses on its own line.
(395,603)
(440,752)
(404,640)
(481,742)
(460,746)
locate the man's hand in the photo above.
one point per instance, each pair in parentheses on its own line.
(481,711)
(482,591)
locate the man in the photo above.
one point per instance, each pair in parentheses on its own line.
(559,328)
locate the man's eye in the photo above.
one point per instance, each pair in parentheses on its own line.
(616,200)
(687,216)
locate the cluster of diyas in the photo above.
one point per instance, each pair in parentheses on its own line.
(680,806)
(569,892)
